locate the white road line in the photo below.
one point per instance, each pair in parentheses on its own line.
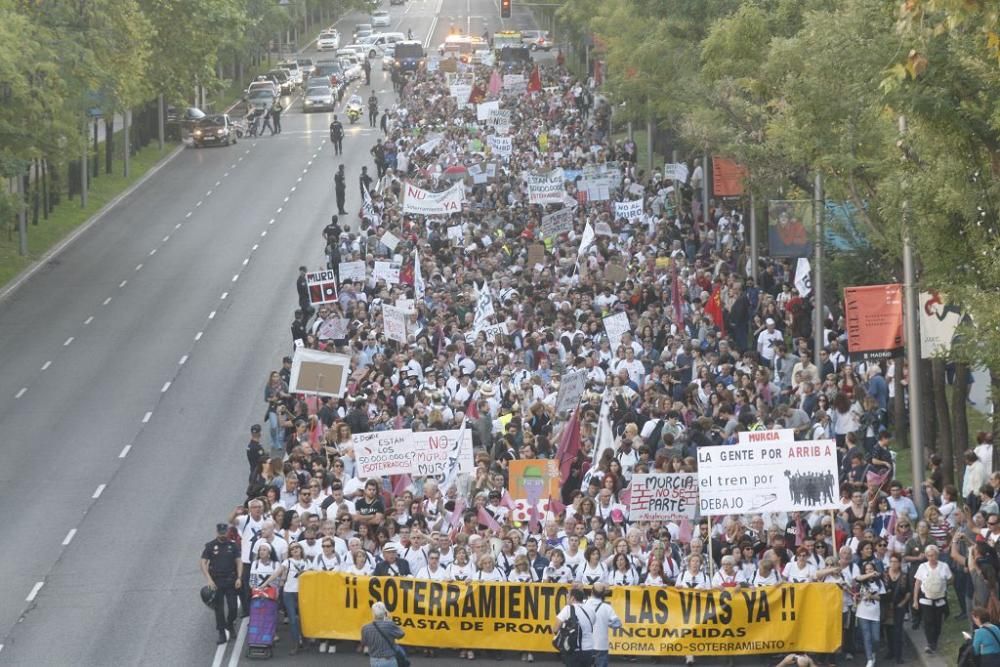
(211,315)
(271,221)
(224,295)
(241,637)
(220,651)
(247,152)
(263,233)
(68,341)
(165,387)
(305,171)
(146,417)
(152,252)
(188,214)
(125,451)
(34,591)
(280,209)
(286,201)
(138,267)
(198,335)
(198,204)
(246,261)
(314,156)
(99,491)
(217,183)
(166,238)
(88,320)
(183,360)
(254,248)
(310,163)
(122,284)
(293,189)
(107,301)
(22,392)
(240,160)
(177,226)
(225,174)
(299,180)
(46,365)
(208,194)
(236,277)
(69,537)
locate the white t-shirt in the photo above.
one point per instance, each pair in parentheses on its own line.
(794,574)
(493,575)
(248,529)
(585,619)
(590,575)
(557,575)
(869,607)
(293,570)
(688,580)
(924,572)
(458,572)
(438,574)
(324,564)
(604,617)
(723,580)
(260,571)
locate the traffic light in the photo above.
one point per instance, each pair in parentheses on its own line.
(505,9)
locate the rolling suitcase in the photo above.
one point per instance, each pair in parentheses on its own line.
(263,623)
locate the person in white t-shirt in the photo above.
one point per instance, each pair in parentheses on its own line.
(728,576)
(930,592)
(869,611)
(248,526)
(433,570)
(263,566)
(801,570)
(767,341)
(585,620)
(605,619)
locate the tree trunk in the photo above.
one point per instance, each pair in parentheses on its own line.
(899,426)
(945,448)
(109,143)
(46,201)
(959,411)
(923,404)
(36,199)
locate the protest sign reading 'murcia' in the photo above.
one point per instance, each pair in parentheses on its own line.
(768,477)
(663,496)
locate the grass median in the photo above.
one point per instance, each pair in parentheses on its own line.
(69,215)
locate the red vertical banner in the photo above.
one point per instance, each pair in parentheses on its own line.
(727,177)
(874,315)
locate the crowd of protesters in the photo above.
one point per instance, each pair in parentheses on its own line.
(711,353)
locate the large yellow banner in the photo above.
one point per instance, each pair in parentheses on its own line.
(656,621)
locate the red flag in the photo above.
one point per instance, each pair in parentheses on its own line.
(401,484)
(472,410)
(556,506)
(535,81)
(684,534)
(506,500)
(477,95)
(569,445)
(625,496)
(486,519)
(714,309)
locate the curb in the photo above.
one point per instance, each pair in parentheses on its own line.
(55,250)
(917,643)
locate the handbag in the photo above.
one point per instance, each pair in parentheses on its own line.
(402,660)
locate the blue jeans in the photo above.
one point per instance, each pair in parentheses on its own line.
(292,609)
(600,659)
(272,426)
(869,635)
(382,662)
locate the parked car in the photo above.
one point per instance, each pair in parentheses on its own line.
(319,98)
(306,66)
(293,67)
(365,28)
(217,129)
(264,83)
(284,80)
(536,40)
(381,19)
(328,41)
(182,120)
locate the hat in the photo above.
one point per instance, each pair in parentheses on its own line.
(221,528)
(389,546)
(486,391)
(255,429)
(286,360)
(769,321)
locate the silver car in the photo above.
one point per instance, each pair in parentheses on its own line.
(319,98)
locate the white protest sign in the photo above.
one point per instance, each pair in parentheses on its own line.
(406,305)
(319,373)
(663,496)
(546,189)
(352,271)
(477,173)
(424,202)
(676,171)
(571,388)
(394,323)
(484,109)
(803,277)
(758,437)
(603,229)
(382,453)
(455,233)
(322,286)
(616,326)
(430,450)
(389,240)
(484,308)
(432,63)
(334,328)
(491,331)
(431,143)
(768,477)
(502,146)
(629,210)
(556,223)
(461,93)
(515,83)
(597,189)
(387,271)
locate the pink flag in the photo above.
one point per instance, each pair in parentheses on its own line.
(891,528)
(456,514)
(556,506)
(486,519)
(684,534)
(496,83)
(533,517)
(625,496)
(569,446)
(506,500)
(401,484)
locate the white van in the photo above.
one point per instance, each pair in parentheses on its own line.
(376,41)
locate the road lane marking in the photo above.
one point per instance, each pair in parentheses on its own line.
(263,233)
(166,238)
(254,248)
(138,267)
(68,341)
(220,651)
(166,386)
(279,209)
(125,451)
(286,201)
(198,204)
(146,417)
(34,591)
(293,189)
(88,320)
(107,301)
(99,491)
(299,180)
(246,261)
(22,392)
(208,194)
(211,315)
(152,252)
(69,537)
(224,295)
(217,183)
(198,335)
(122,284)
(225,174)
(241,636)
(46,365)
(177,226)
(183,360)
(236,277)
(188,214)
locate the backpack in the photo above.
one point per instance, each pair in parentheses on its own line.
(934,585)
(570,636)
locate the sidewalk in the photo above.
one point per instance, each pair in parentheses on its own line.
(917,642)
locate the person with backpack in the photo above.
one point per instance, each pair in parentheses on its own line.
(574,629)
(605,619)
(986,640)
(380,636)
(930,595)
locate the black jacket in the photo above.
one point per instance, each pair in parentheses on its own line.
(401,568)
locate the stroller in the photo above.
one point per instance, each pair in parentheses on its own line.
(263,622)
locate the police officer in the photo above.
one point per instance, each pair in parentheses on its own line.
(367,67)
(364,182)
(340,184)
(255,451)
(276,116)
(266,119)
(223,570)
(337,136)
(302,286)
(372,110)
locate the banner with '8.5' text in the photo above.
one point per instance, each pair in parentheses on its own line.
(656,621)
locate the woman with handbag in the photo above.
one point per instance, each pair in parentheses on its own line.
(986,640)
(380,636)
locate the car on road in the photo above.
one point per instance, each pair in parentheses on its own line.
(319,98)
(307,67)
(536,40)
(293,68)
(216,129)
(376,42)
(464,48)
(351,63)
(328,41)
(332,70)
(389,57)
(396,2)
(182,120)
(261,99)
(264,83)
(381,19)
(283,78)
(408,55)
(362,30)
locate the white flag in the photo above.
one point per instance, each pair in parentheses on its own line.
(453,465)
(484,308)
(586,240)
(368,207)
(803,277)
(604,439)
(418,277)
